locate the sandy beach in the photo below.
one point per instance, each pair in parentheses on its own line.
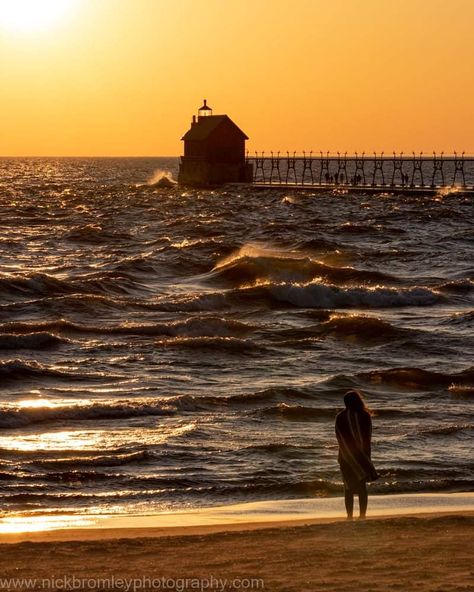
(420,543)
(429,553)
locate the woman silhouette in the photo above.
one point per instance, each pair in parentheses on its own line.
(354,432)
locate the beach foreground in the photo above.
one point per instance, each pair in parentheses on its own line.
(429,552)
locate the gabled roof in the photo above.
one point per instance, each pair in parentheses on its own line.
(205,127)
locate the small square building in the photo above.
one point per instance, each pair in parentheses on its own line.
(214,151)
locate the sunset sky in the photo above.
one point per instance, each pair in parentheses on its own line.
(124,77)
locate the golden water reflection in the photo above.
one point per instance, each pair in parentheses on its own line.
(54,440)
(18,524)
(96,439)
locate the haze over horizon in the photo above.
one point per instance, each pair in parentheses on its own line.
(123,78)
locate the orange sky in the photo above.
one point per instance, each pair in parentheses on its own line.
(123,77)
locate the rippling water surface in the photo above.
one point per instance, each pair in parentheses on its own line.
(168,348)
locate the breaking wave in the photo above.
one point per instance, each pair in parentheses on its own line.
(319,295)
(255,265)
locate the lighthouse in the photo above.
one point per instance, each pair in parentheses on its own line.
(214,151)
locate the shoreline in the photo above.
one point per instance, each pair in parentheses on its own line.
(227,518)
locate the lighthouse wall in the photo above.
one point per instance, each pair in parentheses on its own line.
(202,173)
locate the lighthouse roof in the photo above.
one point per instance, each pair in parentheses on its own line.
(205,106)
(204,127)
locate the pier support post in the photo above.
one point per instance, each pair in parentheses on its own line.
(417,166)
(359,166)
(378,166)
(259,165)
(459,168)
(307,166)
(324,166)
(275,162)
(342,168)
(437,167)
(290,166)
(397,162)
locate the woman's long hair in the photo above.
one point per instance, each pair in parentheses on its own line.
(354,401)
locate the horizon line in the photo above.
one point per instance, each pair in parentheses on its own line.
(88,156)
(267,153)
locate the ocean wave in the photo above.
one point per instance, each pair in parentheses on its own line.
(36,283)
(304,413)
(319,295)
(368,228)
(297,412)
(277,487)
(390,485)
(207,326)
(271,394)
(266,487)
(317,244)
(229,344)
(461,319)
(201,302)
(447,430)
(457,287)
(416,378)
(42,284)
(40,340)
(142,264)
(19,369)
(103,460)
(280,448)
(88,233)
(361,328)
(245,268)
(462,392)
(13,417)
(19,417)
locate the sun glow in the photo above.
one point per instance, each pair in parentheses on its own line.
(19,524)
(33,15)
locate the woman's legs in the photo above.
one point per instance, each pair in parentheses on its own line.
(349,501)
(363,499)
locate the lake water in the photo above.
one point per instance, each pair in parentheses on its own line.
(174,348)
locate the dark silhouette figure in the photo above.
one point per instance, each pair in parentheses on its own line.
(354,433)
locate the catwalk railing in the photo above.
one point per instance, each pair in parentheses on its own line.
(377,170)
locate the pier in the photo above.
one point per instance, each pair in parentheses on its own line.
(398,173)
